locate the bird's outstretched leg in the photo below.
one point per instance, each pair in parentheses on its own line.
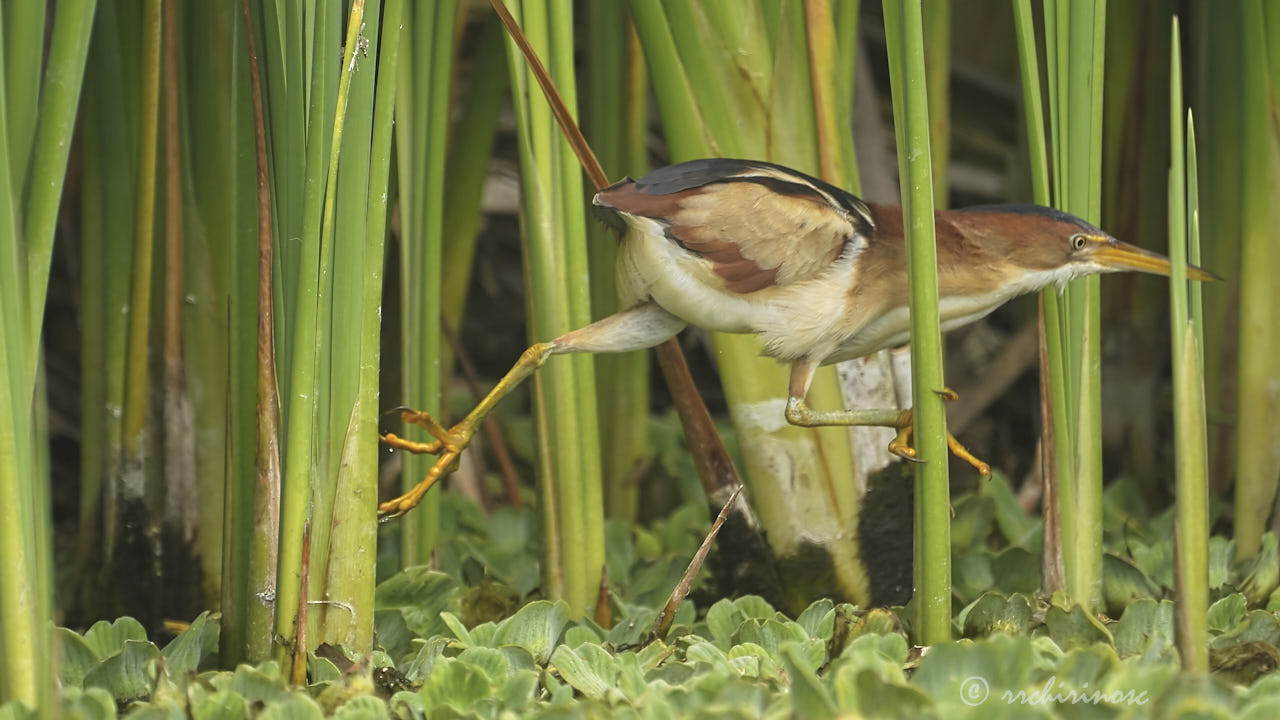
(799,413)
(640,327)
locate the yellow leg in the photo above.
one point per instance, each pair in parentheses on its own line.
(450,443)
(799,413)
(636,328)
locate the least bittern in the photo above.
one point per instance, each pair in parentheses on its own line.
(817,274)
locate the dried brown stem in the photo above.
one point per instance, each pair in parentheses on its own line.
(662,623)
(298,674)
(1052,563)
(266,496)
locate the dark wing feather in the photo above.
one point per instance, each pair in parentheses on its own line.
(697,173)
(757,223)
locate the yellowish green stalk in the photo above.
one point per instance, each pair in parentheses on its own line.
(687,133)
(554,234)
(821,36)
(1258,371)
(137,378)
(350,574)
(309,361)
(24,25)
(19,606)
(20,680)
(59,97)
(937,57)
(614,123)
(345,455)
(904,35)
(114,174)
(1191,460)
(842,74)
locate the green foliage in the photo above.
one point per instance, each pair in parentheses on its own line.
(1023,654)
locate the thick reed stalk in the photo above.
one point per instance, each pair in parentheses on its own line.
(302,453)
(1258,370)
(554,234)
(737,82)
(347,619)
(615,123)
(904,35)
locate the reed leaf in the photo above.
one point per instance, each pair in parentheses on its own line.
(422,151)
(1074,39)
(37,117)
(1191,463)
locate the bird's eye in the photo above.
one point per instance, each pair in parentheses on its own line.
(1077,241)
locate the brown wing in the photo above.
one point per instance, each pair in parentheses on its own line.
(758,224)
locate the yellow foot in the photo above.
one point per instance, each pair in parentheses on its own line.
(448,446)
(901,443)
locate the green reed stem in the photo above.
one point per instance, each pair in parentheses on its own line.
(904,35)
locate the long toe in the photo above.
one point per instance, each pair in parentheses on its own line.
(396,442)
(963,453)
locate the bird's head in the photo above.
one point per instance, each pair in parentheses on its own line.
(1056,246)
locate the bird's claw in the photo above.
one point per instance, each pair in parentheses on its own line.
(947,394)
(906,453)
(901,446)
(447,446)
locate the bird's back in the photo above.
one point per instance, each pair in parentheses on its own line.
(756,224)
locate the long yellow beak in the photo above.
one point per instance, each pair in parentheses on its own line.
(1123,256)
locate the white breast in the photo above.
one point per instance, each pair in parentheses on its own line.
(893,328)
